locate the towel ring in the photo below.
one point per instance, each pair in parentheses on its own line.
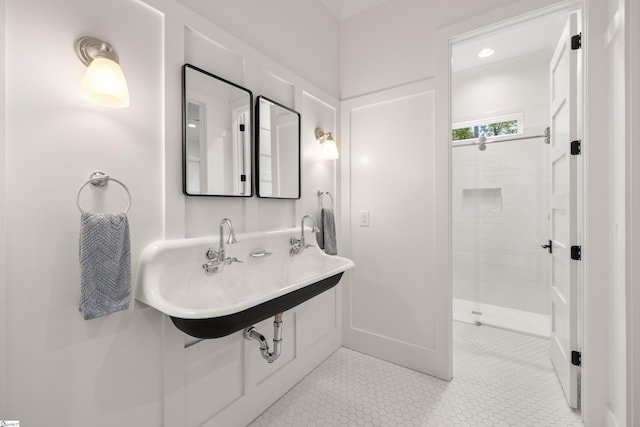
(321,195)
(100,179)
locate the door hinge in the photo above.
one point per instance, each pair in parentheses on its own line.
(576,252)
(576,358)
(242,127)
(243,178)
(576,41)
(576,147)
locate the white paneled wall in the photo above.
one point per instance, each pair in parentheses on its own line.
(132,367)
(500,196)
(392,303)
(60,367)
(310,331)
(415,45)
(386,249)
(301,36)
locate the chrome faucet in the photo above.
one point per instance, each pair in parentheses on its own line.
(218,259)
(299,245)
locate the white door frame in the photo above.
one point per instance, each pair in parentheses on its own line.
(595,265)
(4,343)
(632,37)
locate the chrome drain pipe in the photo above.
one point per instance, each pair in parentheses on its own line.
(251,333)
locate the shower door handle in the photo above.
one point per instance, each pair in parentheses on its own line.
(548,247)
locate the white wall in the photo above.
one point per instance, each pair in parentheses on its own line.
(109,370)
(62,367)
(131,367)
(403,33)
(618,187)
(302,36)
(390,308)
(496,255)
(410,47)
(311,330)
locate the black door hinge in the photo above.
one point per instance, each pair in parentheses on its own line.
(243,178)
(575,147)
(576,358)
(241,127)
(576,252)
(576,41)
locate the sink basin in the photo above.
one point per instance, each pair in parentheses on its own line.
(268,281)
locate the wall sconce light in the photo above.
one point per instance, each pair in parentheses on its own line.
(104,81)
(328,147)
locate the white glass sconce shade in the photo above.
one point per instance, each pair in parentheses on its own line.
(328,147)
(104,82)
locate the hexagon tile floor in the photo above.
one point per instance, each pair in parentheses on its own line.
(501,378)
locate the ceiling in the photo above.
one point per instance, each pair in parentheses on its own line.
(345,9)
(536,36)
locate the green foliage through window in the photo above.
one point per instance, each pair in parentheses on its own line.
(490,129)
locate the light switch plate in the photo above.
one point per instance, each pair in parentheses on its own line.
(364,218)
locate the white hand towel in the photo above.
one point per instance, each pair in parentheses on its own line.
(105,264)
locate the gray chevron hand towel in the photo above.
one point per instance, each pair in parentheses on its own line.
(328,226)
(105,264)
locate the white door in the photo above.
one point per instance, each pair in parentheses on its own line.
(563,215)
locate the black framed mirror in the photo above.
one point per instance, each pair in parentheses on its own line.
(277,150)
(216,135)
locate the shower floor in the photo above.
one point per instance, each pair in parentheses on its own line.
(501,378)
(501,317)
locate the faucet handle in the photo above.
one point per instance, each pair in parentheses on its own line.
(212,267)
(233,259)
(212,254)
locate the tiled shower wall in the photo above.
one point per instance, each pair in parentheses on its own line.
(500,196)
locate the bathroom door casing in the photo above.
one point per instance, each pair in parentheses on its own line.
(563,209)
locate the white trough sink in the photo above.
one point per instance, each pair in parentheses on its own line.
(171,279)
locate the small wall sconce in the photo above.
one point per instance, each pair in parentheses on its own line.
(104,81)
(328,147)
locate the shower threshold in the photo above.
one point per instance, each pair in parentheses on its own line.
(501,317)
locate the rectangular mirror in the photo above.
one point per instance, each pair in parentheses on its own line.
(216,135)
(277,150)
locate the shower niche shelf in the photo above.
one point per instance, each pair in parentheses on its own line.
(481,200)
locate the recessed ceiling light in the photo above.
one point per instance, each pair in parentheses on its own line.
(487,51)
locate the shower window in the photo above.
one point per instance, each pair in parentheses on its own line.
(488,127)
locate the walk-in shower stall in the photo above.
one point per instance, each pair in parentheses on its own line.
(500,199)
(500,190)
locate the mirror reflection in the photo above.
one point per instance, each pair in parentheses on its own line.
(277,150)
(216,135)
